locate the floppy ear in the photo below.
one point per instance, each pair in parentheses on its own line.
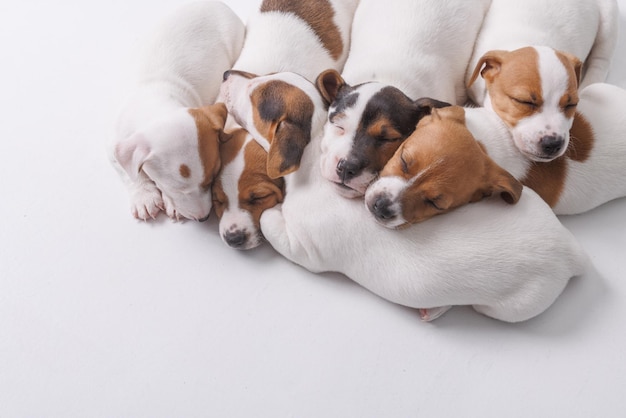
(328,84)
(425,106)
(286,148)
(502,182)
(577,65)
(216,115)
(492,61)
(131,154)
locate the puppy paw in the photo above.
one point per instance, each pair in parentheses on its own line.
(431,314)
(170,209)
(146,203)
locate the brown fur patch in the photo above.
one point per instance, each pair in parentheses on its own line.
(184,171)
(282,114)
(209,122)
(317,14)
(510,84)
(548,179)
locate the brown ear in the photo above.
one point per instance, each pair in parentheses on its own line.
(328,84)
(425,106)
(502,182)
(491,61)
(286,149)
(576,64)
(216,114)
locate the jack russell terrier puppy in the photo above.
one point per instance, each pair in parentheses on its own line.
(165,147)
(430,266)
(534,90)
(586,29)
(305,37)
(243,190)
(455,157)
(416,49)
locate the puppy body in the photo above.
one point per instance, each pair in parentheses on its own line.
(165,147)
(590,173)
(305,37)
(470,257)
(421,48)
(586,29)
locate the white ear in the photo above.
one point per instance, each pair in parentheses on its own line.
(131,154)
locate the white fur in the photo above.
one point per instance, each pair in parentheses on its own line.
(181,68)
(277,41)
(420,47)
(585,28)
(597,180)
(485,255)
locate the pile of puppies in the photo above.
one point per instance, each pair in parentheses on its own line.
(339,123)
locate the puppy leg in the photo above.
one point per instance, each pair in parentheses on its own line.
(145,199)
(431,314)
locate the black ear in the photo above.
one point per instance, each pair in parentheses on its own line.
(328,84)
(425,105)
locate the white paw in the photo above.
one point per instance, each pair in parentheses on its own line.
(170,208)
(146,203)
(431,314)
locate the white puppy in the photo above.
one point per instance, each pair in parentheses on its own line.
(508,262)
(586,29)
(166,141)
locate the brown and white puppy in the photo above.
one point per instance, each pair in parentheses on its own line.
(243,190)
(534,90)
(366,124)
(165,146)
(442,163)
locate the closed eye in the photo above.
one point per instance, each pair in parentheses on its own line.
(255,199)
(524,102)
(403,164)
(433,203)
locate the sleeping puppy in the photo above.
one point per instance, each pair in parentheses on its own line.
(457,156)
(243,190)
(586,29)
(166,140)
(430,266)
(400,49)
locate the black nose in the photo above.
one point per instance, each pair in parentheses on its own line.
(551,145)
(226,75)
(205,218)
(235,239)
(347,169)
(382,208)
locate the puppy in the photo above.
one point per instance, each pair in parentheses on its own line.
(460,170)
(243,190)
(534,90)
(365,125)
(586,29)
(305,37)
(430,266)
(165,147)
(411,49)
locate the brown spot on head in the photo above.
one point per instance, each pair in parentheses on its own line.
(317,14)
(515,92)
(446,168)
(184,171)
(210,124)
(548,178)
(283,115)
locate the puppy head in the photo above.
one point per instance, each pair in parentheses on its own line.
(243,190)
(534,90)
(180,154)
(366,125)
(438,168)
(278,110)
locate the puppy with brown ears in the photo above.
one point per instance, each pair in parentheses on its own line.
(454,157)
(243,190)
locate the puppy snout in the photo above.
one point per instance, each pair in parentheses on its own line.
(348,169)
(551,145)
(236,239)
(381,208)
(204,219)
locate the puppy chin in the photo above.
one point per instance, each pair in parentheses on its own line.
(348,192)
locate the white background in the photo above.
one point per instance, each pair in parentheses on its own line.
(102,315)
